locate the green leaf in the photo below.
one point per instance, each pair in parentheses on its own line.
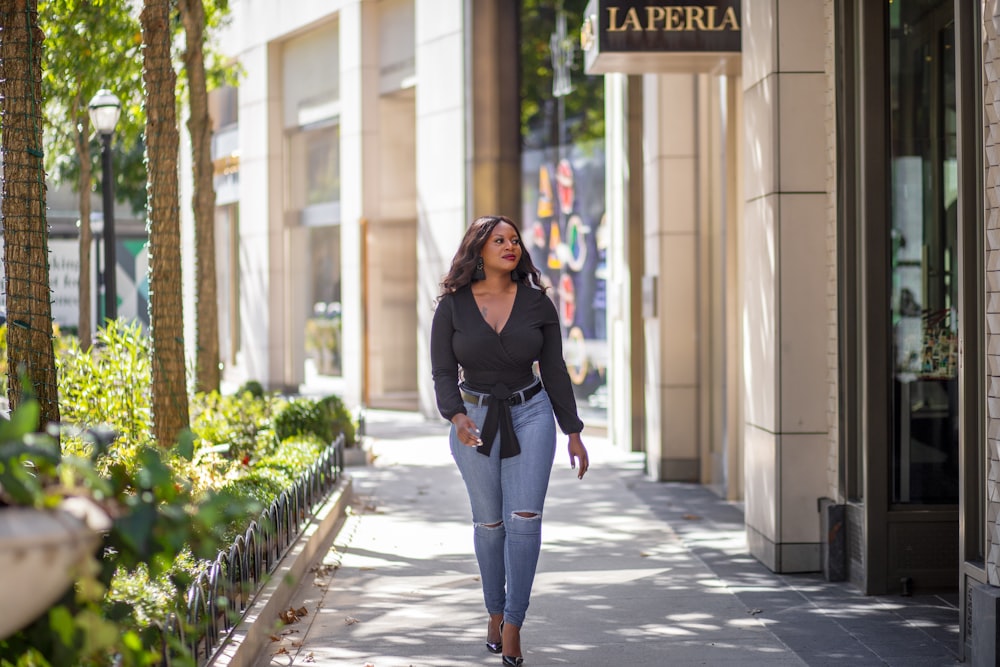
(185,445)
(62,624)
(98,633)
(135,529)
(23,420)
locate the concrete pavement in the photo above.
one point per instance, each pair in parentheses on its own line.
(632,572)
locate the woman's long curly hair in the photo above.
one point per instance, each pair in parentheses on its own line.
(464,262)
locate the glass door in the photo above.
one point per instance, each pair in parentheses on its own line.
(910,273)
(924,459)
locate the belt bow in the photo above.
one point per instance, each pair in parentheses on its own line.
(498,417)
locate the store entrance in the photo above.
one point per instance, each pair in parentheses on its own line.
(924,306)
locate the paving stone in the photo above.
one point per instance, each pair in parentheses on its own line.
(632,573)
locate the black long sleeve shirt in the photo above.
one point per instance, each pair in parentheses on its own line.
(460,337)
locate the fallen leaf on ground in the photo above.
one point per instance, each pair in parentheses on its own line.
(692,517)
(350,620)
(324,569)
(292,615)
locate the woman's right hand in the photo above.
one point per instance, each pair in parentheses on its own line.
(468,432)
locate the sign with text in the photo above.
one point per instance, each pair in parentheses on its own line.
(640,36)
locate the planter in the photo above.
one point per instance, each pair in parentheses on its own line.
(40,552)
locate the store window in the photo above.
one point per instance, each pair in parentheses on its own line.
(923,252)
(323,327)
(227,276)
(562,167)
(314,174)
(911,277)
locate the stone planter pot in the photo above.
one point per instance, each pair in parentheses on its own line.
(40,551)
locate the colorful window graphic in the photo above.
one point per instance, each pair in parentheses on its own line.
(565,233)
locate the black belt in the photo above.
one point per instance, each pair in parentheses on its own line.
(498,417)
(516,398)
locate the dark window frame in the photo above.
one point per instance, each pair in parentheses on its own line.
(861,65)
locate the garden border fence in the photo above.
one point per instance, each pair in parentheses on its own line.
(221,595)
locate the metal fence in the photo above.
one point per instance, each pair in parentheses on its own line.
(221,595)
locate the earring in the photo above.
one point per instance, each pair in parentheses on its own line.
(479,273)
(517,275)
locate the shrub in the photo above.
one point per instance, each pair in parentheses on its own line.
(109,385)
(340,416)
(252,387)
(171,506)
(157,529)
(294,455)
(301,416)
(241,422)
(261,484)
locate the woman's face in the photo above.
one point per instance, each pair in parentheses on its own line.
(502,250)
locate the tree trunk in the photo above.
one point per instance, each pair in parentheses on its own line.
(26,239)
(200,128)
(86,235)
(166,311)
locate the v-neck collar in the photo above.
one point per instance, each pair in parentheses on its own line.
(510,315)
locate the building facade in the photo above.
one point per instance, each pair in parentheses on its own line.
(819,215)
(347,168)
(800,236)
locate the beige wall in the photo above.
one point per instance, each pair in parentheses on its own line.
(671,235)
(784,291)
(691,209)
(359,168)
(256,38)
(441,165)
(260,204)
(363,59)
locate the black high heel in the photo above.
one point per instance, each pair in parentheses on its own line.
(511,661)
(495,647)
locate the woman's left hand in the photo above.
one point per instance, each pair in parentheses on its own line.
(578,454)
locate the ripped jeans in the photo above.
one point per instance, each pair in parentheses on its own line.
(507,496)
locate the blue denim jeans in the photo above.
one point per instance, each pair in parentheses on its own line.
(507,496)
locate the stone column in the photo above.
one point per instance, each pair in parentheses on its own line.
(260,206)
(359,122)
(670,284)
(441,162)
(784,281)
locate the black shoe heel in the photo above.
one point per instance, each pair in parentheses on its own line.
(511,661)
(495,647)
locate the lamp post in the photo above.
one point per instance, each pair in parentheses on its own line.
(104,111)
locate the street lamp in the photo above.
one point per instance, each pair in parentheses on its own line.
(104,111)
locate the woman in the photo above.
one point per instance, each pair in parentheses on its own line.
(493,322)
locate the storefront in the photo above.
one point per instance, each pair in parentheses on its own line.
(834,180)
(674,144)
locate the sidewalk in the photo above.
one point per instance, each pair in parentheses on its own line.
(631,573)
